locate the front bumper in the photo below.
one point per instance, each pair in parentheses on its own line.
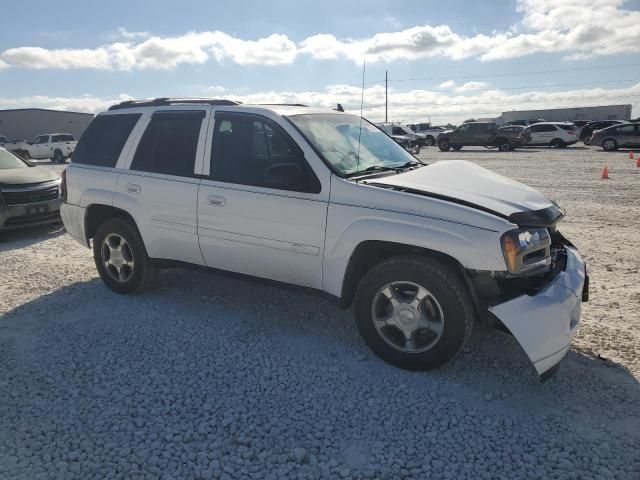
(29,214)
(544,323)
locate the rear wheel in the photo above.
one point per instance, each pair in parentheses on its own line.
(586,140)
(430,141)
(121,258)
(609,145)
(413,312)
(444,145)
(504,145)
(557,143)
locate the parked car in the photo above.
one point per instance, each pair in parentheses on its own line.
(485,134)
(430,133)
(58,146)
(406,143)
(519,133)
(589,128)
(552,134)
(3,140)
(402,130)
(326,201)
(29,195)
(616,136)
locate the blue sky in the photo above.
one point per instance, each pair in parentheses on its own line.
(471,57)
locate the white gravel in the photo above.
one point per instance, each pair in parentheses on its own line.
(207,377)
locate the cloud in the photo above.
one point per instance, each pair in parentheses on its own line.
(407,106)
(472,86)
(572,27)
(449,84)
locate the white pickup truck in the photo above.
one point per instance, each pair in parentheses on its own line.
(328,202)
(58,146)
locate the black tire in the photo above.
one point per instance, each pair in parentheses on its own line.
(444,145)
(609,144)
(557,143)
(430,141)
(456,147)
(58,157)
(446,286)
(504,145)
(586,140)
(143,273)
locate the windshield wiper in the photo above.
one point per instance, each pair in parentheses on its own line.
(373,168)
(411,163)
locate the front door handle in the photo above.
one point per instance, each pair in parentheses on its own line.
(133,188)
(216,200)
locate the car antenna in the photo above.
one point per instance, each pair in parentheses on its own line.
(364,67)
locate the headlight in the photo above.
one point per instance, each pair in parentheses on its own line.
(526,250)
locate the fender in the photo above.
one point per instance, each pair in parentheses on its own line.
(473,248)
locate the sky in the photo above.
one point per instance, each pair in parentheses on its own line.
(446,61)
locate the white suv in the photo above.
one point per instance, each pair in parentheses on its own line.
(553,134)
(326,201)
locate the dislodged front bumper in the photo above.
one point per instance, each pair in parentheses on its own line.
(545,323)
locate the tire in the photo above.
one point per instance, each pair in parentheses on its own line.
(609,144)
(58,157)
(456,147)
(586,140)
(444,145)
(504,145)
(452,304)
(141,273)
(557,143)
(430,141)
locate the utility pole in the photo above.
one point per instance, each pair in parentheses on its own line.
(386,97)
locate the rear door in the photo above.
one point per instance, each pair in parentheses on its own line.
(261,207)
(542,134)
(160,187)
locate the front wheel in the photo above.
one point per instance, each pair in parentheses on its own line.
(414,312)
(58,157)
(557,143)
(430,141)
(504,146)
(586,140)
(121,258)
(610,145)
(444,145)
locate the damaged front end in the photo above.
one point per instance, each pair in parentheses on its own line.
(539,306)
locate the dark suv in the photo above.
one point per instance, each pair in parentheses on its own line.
(482,134)
(589,128)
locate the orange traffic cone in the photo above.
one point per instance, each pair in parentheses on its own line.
(631,156)
(638,162)
(605,173)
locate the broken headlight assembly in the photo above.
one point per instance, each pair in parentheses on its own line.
(527,250)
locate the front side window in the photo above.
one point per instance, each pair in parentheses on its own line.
(104,138)
(8,161)
(168,145)
(251,150)
(397,131)
(350,144)
(41,139)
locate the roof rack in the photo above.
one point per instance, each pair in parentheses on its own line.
(282,104)
(156,102)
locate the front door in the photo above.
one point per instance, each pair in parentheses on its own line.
(261,208)
(40,147)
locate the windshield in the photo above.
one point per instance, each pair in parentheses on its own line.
(335,136)
(9,160)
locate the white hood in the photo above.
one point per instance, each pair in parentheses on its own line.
(469,183)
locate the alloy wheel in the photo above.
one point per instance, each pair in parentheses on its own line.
(117,257)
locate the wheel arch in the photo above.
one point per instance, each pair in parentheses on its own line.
(97,213)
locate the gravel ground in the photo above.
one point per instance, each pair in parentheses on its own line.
(208,377)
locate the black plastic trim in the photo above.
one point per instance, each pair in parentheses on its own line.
(546,217)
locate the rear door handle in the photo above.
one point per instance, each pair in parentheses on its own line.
(133,188)
(216,200)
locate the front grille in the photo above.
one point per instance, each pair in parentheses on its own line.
(28,219)
(17,196)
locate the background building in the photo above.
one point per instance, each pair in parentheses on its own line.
(26,123)
(605,112)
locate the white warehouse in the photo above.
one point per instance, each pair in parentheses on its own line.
(604,112)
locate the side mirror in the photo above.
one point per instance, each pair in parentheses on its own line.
(284,176)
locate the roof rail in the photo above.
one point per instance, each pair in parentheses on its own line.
(156,102)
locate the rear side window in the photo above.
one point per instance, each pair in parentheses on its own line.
(102,141)
(169,144)
(63,138)
(543,128)
(567,127)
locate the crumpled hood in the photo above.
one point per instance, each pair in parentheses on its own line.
(21,176)
(470,184)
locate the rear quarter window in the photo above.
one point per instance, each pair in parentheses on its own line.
(103,140)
